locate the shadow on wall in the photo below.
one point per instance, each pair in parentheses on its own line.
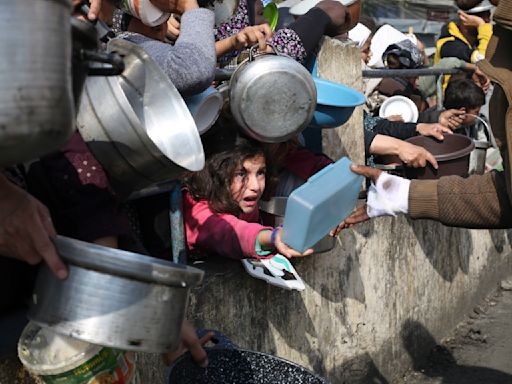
(438,244)
(340,277)
(436,361)
(360,369)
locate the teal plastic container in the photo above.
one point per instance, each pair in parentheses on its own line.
(319,205)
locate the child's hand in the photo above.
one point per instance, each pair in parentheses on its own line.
(435,130)
(256,34)
(173,28)
(452,118)
(470,20)
(285,250)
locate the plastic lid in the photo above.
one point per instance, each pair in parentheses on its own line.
(44,352)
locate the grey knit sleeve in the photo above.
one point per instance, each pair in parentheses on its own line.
(190,62)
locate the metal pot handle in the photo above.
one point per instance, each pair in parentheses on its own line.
(253,51)
(113,59)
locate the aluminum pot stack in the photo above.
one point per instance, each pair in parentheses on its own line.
(137,125)
(36,101)
(114,298)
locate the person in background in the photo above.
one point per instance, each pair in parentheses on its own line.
(299,39)
(467,38)
(479,201)
(190,61)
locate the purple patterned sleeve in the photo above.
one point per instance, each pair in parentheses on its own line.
(238,21)
(287,41)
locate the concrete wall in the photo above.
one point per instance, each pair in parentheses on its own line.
(376,304)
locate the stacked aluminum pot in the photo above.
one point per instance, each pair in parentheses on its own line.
(36,102)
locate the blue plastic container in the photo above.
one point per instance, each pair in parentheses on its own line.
(320,204)
(334,104)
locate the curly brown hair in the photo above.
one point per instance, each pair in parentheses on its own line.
(214,181)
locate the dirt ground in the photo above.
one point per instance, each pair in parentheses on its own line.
(479,350)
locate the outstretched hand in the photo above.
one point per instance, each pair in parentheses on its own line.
(190,342)
(285,250)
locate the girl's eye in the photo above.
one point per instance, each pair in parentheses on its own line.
(262,172)
(240,174)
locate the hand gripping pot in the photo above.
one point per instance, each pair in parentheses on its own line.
(137,125)
(272,96)
(114,298)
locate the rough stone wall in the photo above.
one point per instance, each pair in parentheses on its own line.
(375,304)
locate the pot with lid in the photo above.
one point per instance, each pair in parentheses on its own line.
(114,298)
(272,96)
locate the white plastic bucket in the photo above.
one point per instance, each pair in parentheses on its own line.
(59,359)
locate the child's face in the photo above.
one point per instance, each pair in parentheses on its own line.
(248,183)
(469,119)
(366,54)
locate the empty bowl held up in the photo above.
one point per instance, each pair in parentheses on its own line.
(335,103)
(205,108)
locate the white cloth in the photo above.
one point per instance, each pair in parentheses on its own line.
(359,34)
(389,197)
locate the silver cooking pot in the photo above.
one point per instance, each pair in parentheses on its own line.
(36,102)
(137,125)
(272,96)
(114,298)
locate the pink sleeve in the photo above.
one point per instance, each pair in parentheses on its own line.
(223,234)
(304,163)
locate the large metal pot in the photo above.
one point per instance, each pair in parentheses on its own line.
(36,103)
(114,298)
(137,125)
(229,364)
(272,96)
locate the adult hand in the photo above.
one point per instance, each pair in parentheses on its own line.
(94,8)
(26,229)
(340,17)
(452,118)
(173,28)
(175,6)
(481,79)
(257,34)
(470,20)
(435,130)
(359,214)
(190,342)
(285,250)
(415,156)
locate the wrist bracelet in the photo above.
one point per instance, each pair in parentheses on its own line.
(273,236)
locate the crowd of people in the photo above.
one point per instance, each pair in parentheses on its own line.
(69,193)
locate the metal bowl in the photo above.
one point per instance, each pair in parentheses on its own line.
(272,97)
(114,298)
(137,125)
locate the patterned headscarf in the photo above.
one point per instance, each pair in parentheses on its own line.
(407,53)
